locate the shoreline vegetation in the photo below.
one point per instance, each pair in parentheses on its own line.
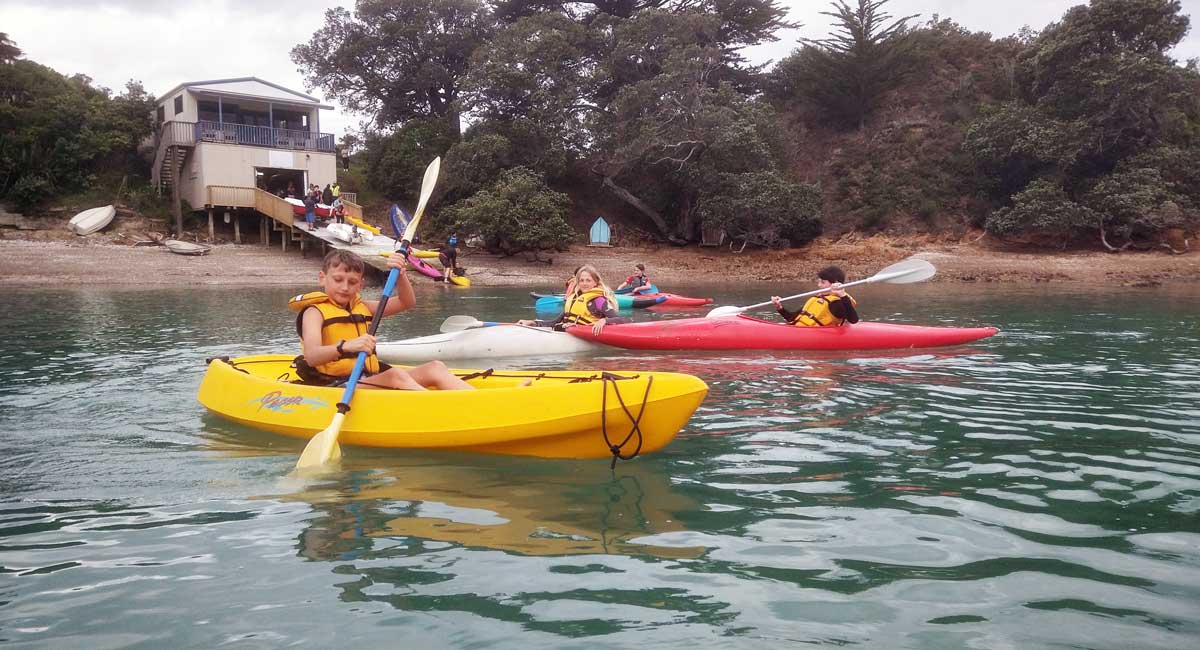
(109,259)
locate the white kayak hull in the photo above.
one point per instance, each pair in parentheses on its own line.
(186,247)
(485,343)
(89,221)
(349,234)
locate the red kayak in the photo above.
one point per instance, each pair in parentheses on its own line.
(298,208)
(676,300)
(746,333)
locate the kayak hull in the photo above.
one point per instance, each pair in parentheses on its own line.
(349,234)
(423,267)
(746,333)
(561,415)
(298,209)
(485,343)
(676,300)
(90,221)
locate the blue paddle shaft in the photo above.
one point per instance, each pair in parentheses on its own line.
(361,361)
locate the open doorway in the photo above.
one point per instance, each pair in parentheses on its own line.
(280,182)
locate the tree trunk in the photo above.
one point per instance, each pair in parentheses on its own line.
(687,220)
(628,197)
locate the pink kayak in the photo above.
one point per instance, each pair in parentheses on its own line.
(424,267)
(746,333)
(676,300)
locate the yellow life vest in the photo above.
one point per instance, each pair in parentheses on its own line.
(340,325)
(576,308)
(336,190)
(816,312)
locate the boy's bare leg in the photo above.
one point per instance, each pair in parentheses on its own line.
(436,374)
(393,378)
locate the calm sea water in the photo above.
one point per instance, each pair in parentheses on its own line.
(1040,489)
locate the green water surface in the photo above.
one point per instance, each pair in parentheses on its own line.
(1040,489)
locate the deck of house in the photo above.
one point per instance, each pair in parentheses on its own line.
(277,218)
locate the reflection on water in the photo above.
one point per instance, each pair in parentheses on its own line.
(1036,490)
(501,504)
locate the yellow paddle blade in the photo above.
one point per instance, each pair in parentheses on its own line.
(323,448)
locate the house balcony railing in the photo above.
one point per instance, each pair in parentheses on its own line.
(263,136)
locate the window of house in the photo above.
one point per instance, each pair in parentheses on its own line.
(161,114)
(207,111)
(179,104)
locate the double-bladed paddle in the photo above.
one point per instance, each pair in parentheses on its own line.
(323,447)
(904,272)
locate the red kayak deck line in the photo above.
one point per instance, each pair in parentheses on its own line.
(676,300)
(746,333)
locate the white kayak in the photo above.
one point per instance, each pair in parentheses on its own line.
(484,343)
(349,233)
(89,221)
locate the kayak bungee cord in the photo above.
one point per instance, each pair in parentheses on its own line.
(606,378)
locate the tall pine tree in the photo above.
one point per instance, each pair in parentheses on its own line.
(846,74)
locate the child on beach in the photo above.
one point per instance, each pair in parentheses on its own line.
(835,307)
(333,322)
(588,302)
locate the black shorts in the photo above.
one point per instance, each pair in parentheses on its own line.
(310,376)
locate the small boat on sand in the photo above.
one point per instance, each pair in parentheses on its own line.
(90,221)
(186,247)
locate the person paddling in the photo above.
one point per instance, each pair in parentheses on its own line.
(589,302)
(333,322)
(836,307)
(638,282)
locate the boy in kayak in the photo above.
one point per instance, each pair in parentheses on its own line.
(332,324)
(589,302)
(636,283)
(835,307)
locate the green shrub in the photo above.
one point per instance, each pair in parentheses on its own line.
(516,213)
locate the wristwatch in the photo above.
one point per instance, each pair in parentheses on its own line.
(340,351)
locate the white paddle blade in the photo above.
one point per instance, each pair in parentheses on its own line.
(459,323)
(323,448)
(427,185)
(906,272)
(727,310)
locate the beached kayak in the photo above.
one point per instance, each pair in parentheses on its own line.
(746,333)
(548,302)
(485,343)
(563,414)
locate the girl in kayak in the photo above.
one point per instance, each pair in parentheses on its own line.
(589,302)
(836,307)
(571,281)
(332,324)
(636,283)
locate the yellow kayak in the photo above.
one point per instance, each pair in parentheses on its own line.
(424,254)
(563,414)
(362,224)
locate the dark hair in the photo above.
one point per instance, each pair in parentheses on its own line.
(339,257)
(831,274)
(639,266)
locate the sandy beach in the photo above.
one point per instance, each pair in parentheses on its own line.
(103,261)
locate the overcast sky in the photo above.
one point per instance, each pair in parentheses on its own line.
(163,43)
